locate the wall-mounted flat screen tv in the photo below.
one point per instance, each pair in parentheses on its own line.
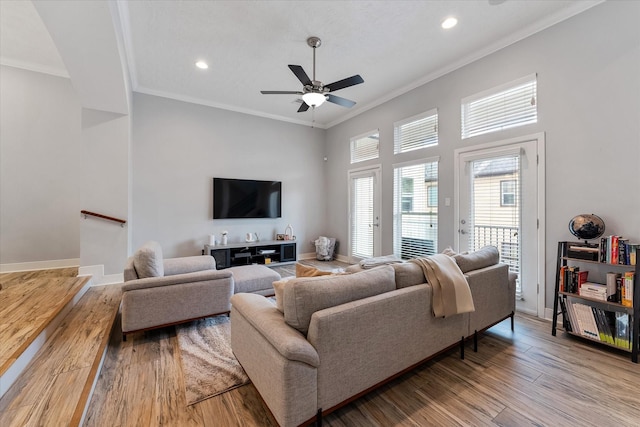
(246,198)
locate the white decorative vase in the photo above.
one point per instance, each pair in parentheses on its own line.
(224,239)
(212,239)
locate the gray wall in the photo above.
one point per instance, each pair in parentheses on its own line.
(179,147)
(40,168)
(588,71)
(104,189)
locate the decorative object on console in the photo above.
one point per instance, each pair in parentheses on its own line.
(279,236)
(288,233)
(586,226)
(212,239)
(223,241)
(249,238)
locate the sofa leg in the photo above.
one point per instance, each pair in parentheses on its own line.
(462,348)
(319,418)
(512,321)
(124,337)
(475,341)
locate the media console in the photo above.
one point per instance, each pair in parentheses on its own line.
(268,252)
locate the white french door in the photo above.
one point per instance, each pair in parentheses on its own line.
(498,204)
(364,213)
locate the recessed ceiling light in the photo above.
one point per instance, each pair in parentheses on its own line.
(450,22)
(202,65)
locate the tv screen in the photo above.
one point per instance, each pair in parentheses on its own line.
(246,198)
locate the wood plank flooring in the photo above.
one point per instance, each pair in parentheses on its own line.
(523,378)
(27,306)
(55,386)
(526,377)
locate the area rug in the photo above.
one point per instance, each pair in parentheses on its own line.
(208,364)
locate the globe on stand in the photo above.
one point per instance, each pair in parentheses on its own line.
(586,226)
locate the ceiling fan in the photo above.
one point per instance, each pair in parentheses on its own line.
(314,93)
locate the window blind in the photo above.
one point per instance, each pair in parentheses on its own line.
(416,132)
(365,147)
(492,221)
(415,231)
(362,217)
(503,107)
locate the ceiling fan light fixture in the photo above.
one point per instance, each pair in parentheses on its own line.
(314,99)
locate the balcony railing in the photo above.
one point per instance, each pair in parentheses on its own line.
(506,239)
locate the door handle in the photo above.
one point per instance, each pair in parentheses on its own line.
(462,232)
(374,225)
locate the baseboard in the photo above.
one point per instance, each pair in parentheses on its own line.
(98,277)
(312,255)
(39,265)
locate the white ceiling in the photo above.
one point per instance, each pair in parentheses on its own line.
(394,45)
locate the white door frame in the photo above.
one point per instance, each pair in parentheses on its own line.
(377,198)
(539,138)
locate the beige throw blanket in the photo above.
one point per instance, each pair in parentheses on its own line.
(451,293)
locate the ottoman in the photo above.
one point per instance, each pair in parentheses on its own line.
(256,279)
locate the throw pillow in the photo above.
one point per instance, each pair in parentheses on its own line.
(449,251)
(483,257)
(309,271)
(148,260)
(278,287)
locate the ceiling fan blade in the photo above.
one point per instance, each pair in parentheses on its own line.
(341,84)
(340,101)
(300,74)
(280,92)
(303,107)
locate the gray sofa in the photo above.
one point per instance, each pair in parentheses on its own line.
(161,292)
(330,339)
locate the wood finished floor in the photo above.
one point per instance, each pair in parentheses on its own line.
(26,306)
(516,379)
(56,385)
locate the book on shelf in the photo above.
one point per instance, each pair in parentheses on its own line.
(622,331)
(618,250)
(594,290)
(612,287)
(561,274)
(597,324)
(572,278)
(627,289)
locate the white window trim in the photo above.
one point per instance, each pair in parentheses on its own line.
(409,163)
(502,146)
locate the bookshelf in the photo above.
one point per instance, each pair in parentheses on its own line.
(608,317)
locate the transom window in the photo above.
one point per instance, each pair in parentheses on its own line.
(503,107)
(365,146)
(416,132)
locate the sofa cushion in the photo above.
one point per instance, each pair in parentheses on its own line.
(306,295)
(408,274)
(189,264)
(278,287)
(481,258)
(148,260)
